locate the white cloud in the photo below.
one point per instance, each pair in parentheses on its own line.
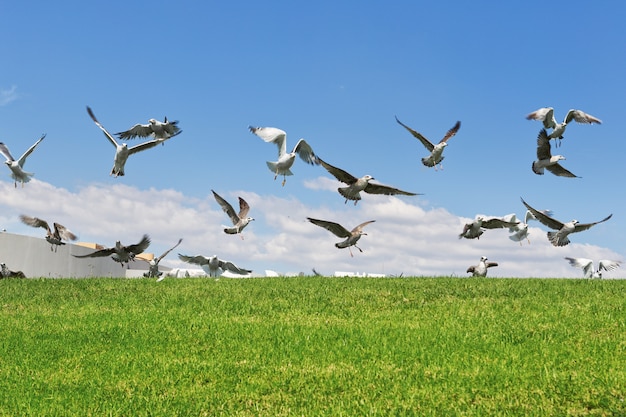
(7,96)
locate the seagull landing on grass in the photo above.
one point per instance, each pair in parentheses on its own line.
(153,268)
(560,237)
(16,166)
(476,228)
(122,152)
(546,160)
(351,236)
(240,220)
(213,265)
(546,115)
(587,266)
(356,185)
(158,130)
(122,254)
(480,270)
(56,237)
(285,159)
(436,150)
(519,232)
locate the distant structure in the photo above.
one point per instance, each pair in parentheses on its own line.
(358,274)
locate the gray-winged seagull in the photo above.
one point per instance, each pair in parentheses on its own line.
(122,152)
(54,238)
(213,265)
(519,232)
(285,159)
(546,115)
(480,270)
(17,173)
(436,150)
(546,160)
(559,238)
(356,185)
(476,228)
(159,130)
(153,268)
(122,254)
(240,220)
(352,236)
(587,266)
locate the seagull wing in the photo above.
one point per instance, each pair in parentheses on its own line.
(496,223)
(361,226)
(419,136)
(63,232)
(139,247)
(543,145)
(305,152)
(143,146)
(451,132)
(106,133)
(135,131)
(559,171)
(607,265)
(171,127)
(197,259)
(244,208)
(34,222)
(490,264)
(5,151)
(584,226)
(581,117)
(168,251)
(544,218)
(29,151)
(229,266)
(335,228)
(545,115)
(98,253)
(226,207)
(338,173)
(274,135)
(584,263)
(384,189)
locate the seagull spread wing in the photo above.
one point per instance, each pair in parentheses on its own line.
(335,228)
(229,266)
(274,135)
(559,171)
(168,251)
(98,253)
(419,136)
(197,259)
(584,263)
(244,208)
(543,145)
(63,232)
(139,247)
(143,146)
(305,152)
(545,115)
(226,207)
(451,132)
(544,218)
(496,223)
(338,173)
(34,222)
(29,151)
(106,133)
(361,226)
(606,265)
(5,151)
(137,130)
(581,117)
(384,189)
(584,226)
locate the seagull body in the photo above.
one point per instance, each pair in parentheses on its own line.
(546,115)
(213,265)
(122,152)
(477,227)
(480,270)
(351,236)
(436,150)
(240,220)
(587,266)
(153,269)
(356,185)
(16,166)
(56,237)
(520,230)
(122,254)
(560,237)
(158,130)
(546,160)
(285,160)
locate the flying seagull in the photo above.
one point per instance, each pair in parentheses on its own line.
(352,236)
(17,173)
(356,185)
(122,152)
(477,227)
(55,238)
(587,266)
(436,151)
(153,269)
(240,220)
(519,232)
(546,115)
(285,160)
(480,270)
(213,265)
(546,160)
(122,254)
(559,238)
(158,130)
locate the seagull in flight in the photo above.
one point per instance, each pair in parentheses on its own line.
(546,160)
(122,152)
(519,232)
(122,254)
(17,173)
(56,237)
(546,115)
(587,266)
(158,130)
(476,228)
(356,185)
(351,236)
(213,265)
(240,220)
(560,237)
(480,270)
(285,160)
(153,269)
(436,150)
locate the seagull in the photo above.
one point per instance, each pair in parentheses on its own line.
(474,229)
(122,152)
(587,266)
(158,130)
(122,254)
(546,160)
(241,220)
(356,185)
(213,265)
(436,151)
(480,270)
(520,230)
(559,238)
(54,238)
(546,115)
(17,173)
(285,160)
(352,236)
(153,269)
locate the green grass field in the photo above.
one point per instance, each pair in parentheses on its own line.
(312,346)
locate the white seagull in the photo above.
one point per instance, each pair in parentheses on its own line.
(153,268)
(587,266)
(352,236)
(285,160)
(356,185)
(122,254)
(480,270)
(546,115)
(213,265)
(240,220)
(476,228)
(158,130)
(546,160)
(122,152)
(559,238)
(519,232)
(436,150)
(55,238)
(17,173)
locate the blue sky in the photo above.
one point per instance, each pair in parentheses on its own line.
(336,75)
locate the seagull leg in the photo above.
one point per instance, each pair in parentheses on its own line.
(350,252)
(284,180)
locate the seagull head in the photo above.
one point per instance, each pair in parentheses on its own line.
(368,178)
(575,222)
(152,121)
(483,258)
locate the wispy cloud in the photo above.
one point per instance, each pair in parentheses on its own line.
(7,96)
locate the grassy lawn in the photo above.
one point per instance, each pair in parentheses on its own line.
(312,346)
